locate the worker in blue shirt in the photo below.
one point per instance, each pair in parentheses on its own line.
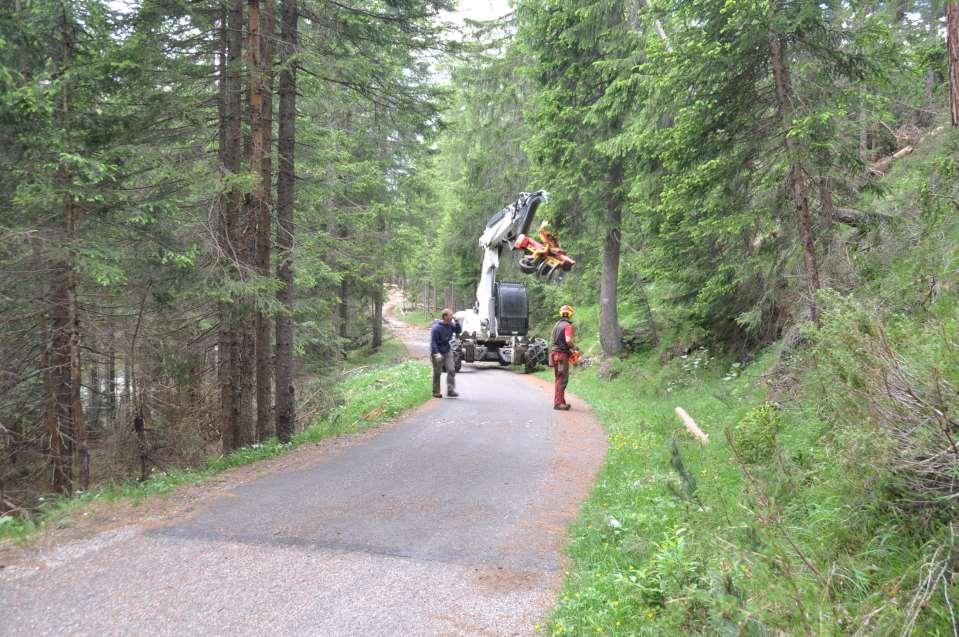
(441,353)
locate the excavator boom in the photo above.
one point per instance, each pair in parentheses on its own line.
(496,327)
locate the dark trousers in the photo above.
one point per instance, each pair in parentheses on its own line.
(561,372)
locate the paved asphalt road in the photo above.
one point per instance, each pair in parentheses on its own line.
(449,522)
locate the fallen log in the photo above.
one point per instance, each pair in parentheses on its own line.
(881,166)
(851,217)
(691,425)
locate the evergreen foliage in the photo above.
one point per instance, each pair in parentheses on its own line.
(785,184)
(133,225)
(761,197)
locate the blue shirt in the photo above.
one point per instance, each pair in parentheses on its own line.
(440,336)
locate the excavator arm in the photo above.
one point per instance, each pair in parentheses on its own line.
(496,326)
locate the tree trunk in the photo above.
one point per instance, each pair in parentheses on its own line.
(952,49)
(828,210)
(126,396)
(67,432)
(232,239)
(112,379)
(260,51)
(96,394)
(244,367)
(76,404)
(377,318)
(61,473)
(797,179)
(344,309)
(286,181)
(863,127)
(61,359)
(610,333)
(244,379)
(139,429)
(927,114)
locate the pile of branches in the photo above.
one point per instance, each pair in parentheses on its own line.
(920,416)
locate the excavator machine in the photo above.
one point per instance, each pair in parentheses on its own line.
(496,328)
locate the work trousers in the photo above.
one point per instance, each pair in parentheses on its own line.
(561,373)
(444,362)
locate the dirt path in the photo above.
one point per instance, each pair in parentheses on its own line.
(449,522)
(417,340)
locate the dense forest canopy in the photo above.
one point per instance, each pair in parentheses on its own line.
(203,201)
(172,172)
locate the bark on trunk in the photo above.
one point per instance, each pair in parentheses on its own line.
(61,472)
(344,309)
(244,379)
(260,52)
(139,429)
(286,180)
(244,363)
(610,332)
(796,178)
(863,128)
(96,395)
(76,404)
(65,412)
(112,380)
(232,239)
(128,380)
(952,49)
(828,210)
(927,115)
(224,351)
(377,318)
(61,332)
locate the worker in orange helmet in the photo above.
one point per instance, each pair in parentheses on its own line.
(563,349)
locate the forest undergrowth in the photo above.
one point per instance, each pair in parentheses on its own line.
(788,519)
(824,502)
(372,388)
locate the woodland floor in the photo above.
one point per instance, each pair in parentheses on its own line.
(449,521)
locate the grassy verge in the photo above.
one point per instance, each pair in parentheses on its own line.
(784,523)
(417,318)
(630,548)
(391,352)
(367,397)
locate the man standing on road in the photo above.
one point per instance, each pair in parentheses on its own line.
(563,348)
(441,353)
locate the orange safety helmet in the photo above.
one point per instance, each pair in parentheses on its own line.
(566,310)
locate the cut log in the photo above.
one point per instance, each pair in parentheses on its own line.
(851,216)
(881,166)
(691,425)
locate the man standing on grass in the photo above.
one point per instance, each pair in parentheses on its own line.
(441,353)
(563,348)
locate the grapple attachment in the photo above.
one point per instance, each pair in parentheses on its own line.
(545,259)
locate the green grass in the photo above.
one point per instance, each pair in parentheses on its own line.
(631,545)
(368,397)
(418,318)
(391,352)
(780,534)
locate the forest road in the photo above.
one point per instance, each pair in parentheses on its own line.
(451,521)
